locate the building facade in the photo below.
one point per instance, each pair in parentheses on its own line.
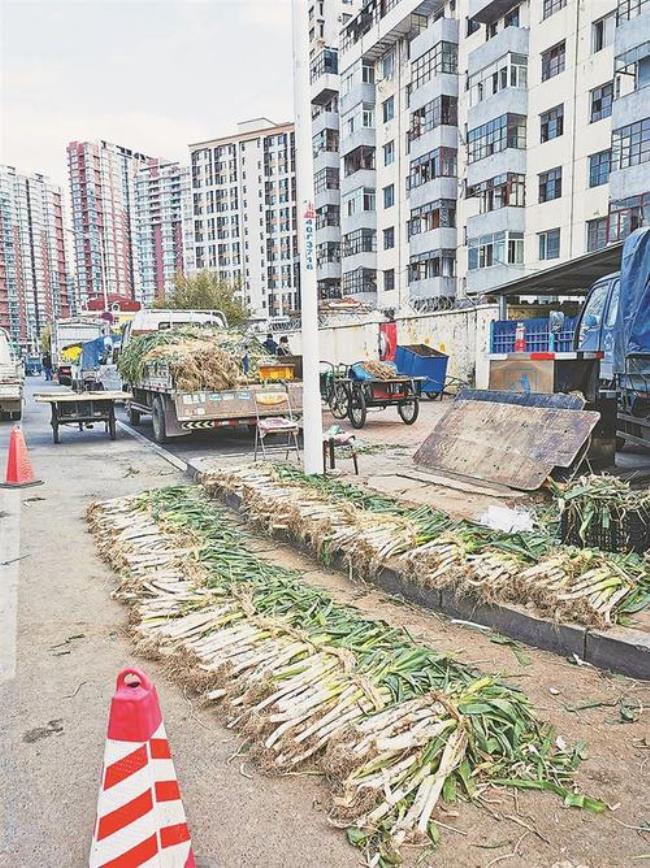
(476,140)
(244,214)
(162,208)
(33,279)
(102,190)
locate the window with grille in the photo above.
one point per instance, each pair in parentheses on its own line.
(441,162)
(551,123)
(551,6)
(507,131)
(599,166)
(360,241)
(600,102)
(389,279)
(500,191)
(389,238)
(549,244)
(443,57)
(596,233)
(433,215)
(439,112)
(550,185)
(553,61)
(631,145)
(498,248)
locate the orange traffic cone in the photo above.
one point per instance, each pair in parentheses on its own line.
(19,473)
(140,815)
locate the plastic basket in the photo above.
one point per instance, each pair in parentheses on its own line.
(276,372)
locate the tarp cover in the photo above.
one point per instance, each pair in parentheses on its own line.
(94,352)
(632,337)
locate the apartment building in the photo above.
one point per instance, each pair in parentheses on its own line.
(244,214)
(162,208)
(475,141)
(326,18)
(102,190)
(33,280)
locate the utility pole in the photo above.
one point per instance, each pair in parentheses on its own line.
(311,401)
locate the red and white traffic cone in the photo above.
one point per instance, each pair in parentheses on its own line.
(140,815)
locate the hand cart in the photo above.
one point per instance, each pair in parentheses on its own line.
(83,409)
(352,397)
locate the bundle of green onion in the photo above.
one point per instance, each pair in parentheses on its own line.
(398,726)
(369,530)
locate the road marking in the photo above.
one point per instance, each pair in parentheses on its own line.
(178,463)
(9,572)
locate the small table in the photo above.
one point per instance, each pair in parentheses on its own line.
(344,438)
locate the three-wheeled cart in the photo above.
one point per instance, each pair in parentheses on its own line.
(354,394)
(82,409)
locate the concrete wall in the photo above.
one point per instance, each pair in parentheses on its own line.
(462,334)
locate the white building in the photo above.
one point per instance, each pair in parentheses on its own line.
(244,214)
(162,210)
(475,140)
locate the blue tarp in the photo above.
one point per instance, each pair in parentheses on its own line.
(633,323)
(96,352)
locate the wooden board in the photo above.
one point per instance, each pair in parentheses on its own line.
(505,443)
(69,397)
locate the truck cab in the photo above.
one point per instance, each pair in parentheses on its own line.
(596,323)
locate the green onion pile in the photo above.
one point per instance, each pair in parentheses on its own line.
(399,728)
(369,531)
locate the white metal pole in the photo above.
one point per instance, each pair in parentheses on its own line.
(311,401)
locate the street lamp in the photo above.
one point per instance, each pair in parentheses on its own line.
(311,400)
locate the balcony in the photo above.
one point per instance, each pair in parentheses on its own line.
(328,270)
(510,100)
(361,178)
(487,11)
(482,280)
(364,136)
(511,160)
(324,121)
(499,220)
(511,40)
(440,137)
(324,78)
(433,287)
(436,188)
(443,238)
(633,25)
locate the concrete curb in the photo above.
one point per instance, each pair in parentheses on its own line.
(619,649)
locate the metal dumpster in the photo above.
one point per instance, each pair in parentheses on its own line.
(419,360)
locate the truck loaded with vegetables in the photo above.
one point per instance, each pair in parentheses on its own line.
(191,372)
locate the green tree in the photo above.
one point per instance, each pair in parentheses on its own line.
(205,291)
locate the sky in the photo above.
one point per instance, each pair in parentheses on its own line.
(152,75)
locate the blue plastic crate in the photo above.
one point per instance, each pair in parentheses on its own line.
(537,335)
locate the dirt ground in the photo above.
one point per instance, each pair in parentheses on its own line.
(71,641)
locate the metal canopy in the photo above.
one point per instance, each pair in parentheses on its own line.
(570,278)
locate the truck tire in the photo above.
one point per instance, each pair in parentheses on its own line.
(134,416)
(158,419)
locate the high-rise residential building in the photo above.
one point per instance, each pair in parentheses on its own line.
(102,190)
(476,140)
(244,214)
(33,280)
(162,207)
(326,18)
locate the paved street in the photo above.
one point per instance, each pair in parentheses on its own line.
(64,639)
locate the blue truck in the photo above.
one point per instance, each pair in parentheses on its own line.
(615,320)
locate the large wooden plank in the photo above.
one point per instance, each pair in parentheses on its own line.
(505,443)
(70,397)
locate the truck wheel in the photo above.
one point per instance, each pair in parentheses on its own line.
(134,416)
(357,409)
(158,419)
(409,412)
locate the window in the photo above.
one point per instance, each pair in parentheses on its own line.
(326,179)
(326,140)
(631,145)
(389,238)
(596,233)
(327,62)
(626,215)
(500,248)
(361,199)
(500,192)
(472,26)
(549,244)
(388,65)
(553,61)
(329,251)
(443,57)
(602,32)
(551,123)
(612,310)
(439,163)
(601,102)
(507,131)
(327,215)
(389,279)
(359,159)
(389,196)
(389,153)
(550,184)
(511,70)
(599,165)
(628,9)
(440,111)
(551,6)
(433,215)
(359,280)
(360,241)
(511,18)
(434,263)
(388,109)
